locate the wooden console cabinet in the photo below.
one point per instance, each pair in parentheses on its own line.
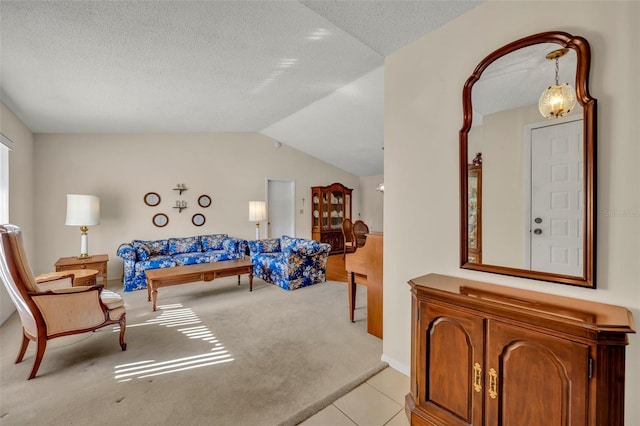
(331,204)
(484,354)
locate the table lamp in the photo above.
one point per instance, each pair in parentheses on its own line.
(83,211)
(257,212)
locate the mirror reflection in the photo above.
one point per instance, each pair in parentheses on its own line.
(526,180)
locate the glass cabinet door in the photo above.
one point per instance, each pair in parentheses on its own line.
(315,221)
(336,210)
(474,199)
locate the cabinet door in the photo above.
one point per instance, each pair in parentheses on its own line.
(316,211)
(449,372)
(534,379)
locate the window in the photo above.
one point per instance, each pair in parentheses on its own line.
(5,146)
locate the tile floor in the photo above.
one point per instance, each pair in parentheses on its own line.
(377,402)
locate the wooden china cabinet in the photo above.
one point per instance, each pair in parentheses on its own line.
(484,354)
(331,204)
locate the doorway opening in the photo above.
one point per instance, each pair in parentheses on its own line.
(280,208)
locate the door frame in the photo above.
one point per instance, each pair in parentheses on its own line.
(293,204)
(528,131)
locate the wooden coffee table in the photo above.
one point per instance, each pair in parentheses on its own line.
(164,277)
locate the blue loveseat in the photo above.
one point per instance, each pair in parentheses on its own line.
(140,255)
(290,263)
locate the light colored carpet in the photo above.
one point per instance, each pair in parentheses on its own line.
(214,353)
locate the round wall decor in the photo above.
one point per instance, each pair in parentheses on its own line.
(151,199)
(204,201)
(160,220)
(198,219)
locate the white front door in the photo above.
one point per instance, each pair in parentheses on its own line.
(280,208)
(557,199)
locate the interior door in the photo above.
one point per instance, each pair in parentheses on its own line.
(557,199)
(280,208)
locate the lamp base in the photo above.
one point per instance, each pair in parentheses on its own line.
(84,243)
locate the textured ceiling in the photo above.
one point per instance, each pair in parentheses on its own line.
(308,73)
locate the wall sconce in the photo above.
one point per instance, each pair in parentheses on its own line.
(83,211)
(557,100)
(257,213)
(380,188)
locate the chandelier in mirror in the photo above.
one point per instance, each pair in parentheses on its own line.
(559,99)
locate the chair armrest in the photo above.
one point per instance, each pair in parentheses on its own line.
(264,246)
(127,252)
(54,281)
(307,248)
(82,309)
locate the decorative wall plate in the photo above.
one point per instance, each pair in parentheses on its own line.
(151,199)
(160,220)
(198,219)
(204,201)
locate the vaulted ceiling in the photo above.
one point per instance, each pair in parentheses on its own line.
(309,74)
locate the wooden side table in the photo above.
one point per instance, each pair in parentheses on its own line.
(96,261)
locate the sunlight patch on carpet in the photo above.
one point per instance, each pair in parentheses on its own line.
(176,316)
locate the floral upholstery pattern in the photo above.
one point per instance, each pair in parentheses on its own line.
(184,245)
(140,255)
(290,263)
(213,242)
(154,247)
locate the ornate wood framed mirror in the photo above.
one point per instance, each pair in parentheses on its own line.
(538,174)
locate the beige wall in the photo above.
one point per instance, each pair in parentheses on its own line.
(423,113)
(120,169)
(21,188)
(371,202)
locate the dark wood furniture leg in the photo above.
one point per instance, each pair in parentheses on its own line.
(351,285)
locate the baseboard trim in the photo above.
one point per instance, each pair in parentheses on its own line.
(402,368)
(313,408)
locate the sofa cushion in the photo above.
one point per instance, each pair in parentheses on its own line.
(230,245)
(220,255)
(184,245)
(157,247)
(267,246)
(192,258)
(155,262)
(213,241)
(143,252)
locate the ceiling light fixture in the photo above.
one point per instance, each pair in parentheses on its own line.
(557,100)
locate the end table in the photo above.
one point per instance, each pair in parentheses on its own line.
(96,261)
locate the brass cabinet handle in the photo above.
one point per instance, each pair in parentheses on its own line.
(477,377)
(493,383)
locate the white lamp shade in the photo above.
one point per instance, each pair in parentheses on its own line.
(257,211)
(82,210)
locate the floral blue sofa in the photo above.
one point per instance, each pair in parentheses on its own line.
(141,255)
(290,263)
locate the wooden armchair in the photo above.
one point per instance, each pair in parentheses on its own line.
(360,230)
(53,308)
(349,240)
